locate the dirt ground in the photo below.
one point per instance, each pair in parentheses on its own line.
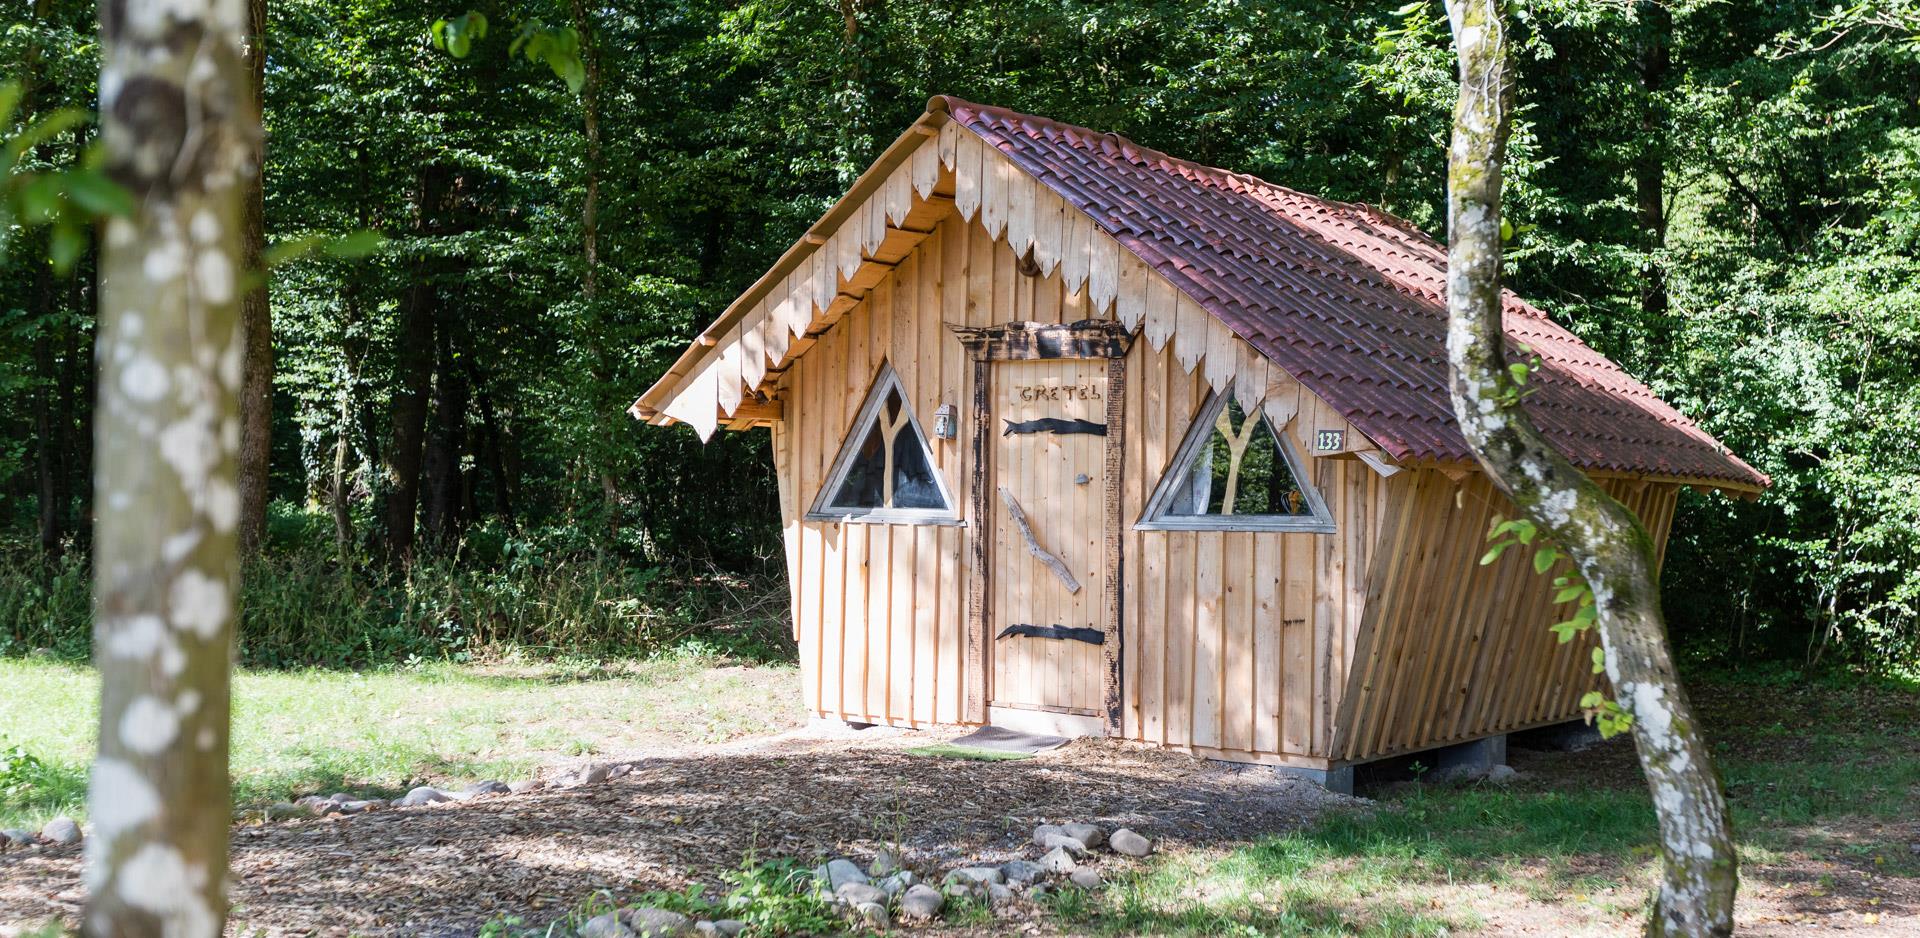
(684,816)
(680,817)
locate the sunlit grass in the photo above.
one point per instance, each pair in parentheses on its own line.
(379,732)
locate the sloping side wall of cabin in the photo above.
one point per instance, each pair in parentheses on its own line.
(1449,650)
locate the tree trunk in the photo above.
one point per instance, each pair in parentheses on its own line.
(256,393)
(413,366)
(178,128)
(1604,540)
(442,513)
(1650,165)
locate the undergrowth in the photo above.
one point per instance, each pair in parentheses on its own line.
(531,594)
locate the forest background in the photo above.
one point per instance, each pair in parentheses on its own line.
(1724,197)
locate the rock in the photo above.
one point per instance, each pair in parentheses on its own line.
(60,830)
(1038,892)
(422,795)
(1502,774)
(899,882)
(977,875)
(858,894)
(339,797)
(921,902)
(1059,860)
(1913,848)
(885,862)
(1125,841)
(1041,833)
(874,914)
(488,787)
(526,785)
(998,895)
(729,927)
(1086,878)
(619,771)
(595,774)
(605,926)
(1072,845)
(310,802)
(1087,834)
(1022,872)
(658,923)
(362,807)
(14,838)
(843,871)
(959,890)
(706,929)
(287,811)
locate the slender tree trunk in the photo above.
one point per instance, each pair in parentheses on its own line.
(1650,165)
(46,432)
(178,127)
(413,366)
(1605,541)
(446,446)
(256,394)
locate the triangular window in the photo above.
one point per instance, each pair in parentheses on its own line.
(885,471)
(1233,472)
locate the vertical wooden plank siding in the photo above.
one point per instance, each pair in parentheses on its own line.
(1450,650)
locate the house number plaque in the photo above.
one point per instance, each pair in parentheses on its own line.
(1329,441)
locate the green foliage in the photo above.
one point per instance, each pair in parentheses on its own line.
(777,897)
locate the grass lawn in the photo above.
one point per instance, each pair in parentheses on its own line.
(380,732)
(1824,784)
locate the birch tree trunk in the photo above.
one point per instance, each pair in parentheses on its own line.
(177,126)
(1604,540)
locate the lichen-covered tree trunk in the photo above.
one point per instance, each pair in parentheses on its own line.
(177,127)
(1604,540)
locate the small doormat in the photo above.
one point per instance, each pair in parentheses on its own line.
(1006,740)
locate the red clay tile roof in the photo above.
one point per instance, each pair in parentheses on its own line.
(1347,298)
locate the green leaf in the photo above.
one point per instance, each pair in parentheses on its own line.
(1543,559)
(65,244)
(1568,594)
(354,244)
(1565,630)
(93,191)
(1592,699)
(1409,9)
(1599,660)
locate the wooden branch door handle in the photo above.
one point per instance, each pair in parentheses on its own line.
(1033,544)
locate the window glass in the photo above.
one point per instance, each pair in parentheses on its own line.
(1239,470)
(892,468)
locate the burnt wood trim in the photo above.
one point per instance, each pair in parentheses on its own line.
(1052,425)
(1025,341)
(1112,651)
(978,530)
(1063,632)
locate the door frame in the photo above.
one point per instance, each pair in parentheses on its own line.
(1026,341)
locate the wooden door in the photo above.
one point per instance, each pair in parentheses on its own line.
(1046,578)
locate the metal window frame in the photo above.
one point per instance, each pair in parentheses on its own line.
(1155,517)
(823,509)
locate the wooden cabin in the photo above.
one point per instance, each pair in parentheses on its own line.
(1078,437)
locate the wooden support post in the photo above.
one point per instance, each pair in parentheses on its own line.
(1113,649)
(978,529)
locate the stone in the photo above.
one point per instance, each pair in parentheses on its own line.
(60,830)
(658,923)
(858,894)
(921,901)
(339,797)
(998,895)
(1059,860)
(977,875)
(525,785)
(488,787)
(843,871)
(619,771)
(900,881)
(1087,834)
(1086,878)
(1072,845)
(1502,774)
(310,802)
(286,811)
(14,838)
(1022,872)
(605,926)
(959,890)
(422,795)
(1038,892)
(885,861)
(1125,841)
(595,774)
(361,807)
(729,927)
(706,929)
(874,914)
